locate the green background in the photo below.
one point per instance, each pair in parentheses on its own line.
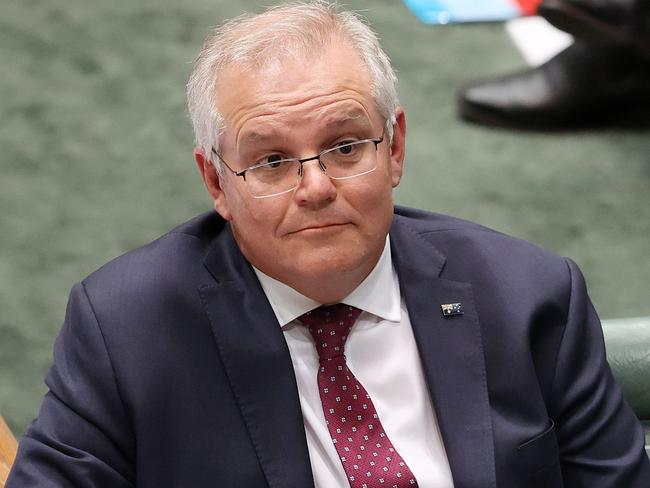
(96,158)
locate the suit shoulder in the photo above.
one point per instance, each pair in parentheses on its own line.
(176,254)
(423,221)
(470,242)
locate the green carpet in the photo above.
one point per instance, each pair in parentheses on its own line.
(96,158)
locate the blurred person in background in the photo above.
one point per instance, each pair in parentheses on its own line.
(603,78)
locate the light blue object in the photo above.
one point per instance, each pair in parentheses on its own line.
(452,11)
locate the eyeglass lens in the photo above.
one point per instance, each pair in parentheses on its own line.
(341,162)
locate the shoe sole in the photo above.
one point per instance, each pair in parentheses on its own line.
(585,26)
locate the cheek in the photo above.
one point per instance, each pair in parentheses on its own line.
(255,224)
(374,199)
(247,212)
(378,209)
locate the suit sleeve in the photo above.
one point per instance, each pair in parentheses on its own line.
(81,437)
(601,441)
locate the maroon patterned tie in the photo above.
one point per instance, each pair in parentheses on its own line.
(366,452)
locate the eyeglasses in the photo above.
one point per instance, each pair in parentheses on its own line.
(276,175)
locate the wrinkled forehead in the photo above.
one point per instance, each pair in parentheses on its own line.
(333,87)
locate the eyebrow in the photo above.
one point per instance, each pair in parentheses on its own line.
(348,117)
(257,137)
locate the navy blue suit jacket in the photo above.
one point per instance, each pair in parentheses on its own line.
(172,371)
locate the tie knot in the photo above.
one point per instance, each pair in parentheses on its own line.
(330,325)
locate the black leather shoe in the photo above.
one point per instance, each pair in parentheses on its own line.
(580,87)
(602,22)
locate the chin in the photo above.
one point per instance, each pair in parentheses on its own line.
(329,262)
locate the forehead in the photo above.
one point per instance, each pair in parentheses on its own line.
(324,89)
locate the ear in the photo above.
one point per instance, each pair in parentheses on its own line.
(398,146)
(212,182)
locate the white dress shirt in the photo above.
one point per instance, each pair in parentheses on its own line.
(381,352)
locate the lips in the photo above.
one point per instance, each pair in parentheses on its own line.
(320,227)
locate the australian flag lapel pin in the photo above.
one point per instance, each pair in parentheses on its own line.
(451,309)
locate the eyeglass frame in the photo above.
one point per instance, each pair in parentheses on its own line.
(323,168)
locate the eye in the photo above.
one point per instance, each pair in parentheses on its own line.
(271,161)
(345,148)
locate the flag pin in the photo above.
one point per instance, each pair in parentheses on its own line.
(449,309)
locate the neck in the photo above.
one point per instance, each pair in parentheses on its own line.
(331,286)
(328,291)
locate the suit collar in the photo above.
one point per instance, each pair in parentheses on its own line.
(451,351)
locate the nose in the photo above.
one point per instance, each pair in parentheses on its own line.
(315,188)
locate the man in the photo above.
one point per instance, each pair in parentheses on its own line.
(206,358)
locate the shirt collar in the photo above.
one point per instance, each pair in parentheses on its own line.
(378,294)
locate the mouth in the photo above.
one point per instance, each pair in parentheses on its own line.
(320,228)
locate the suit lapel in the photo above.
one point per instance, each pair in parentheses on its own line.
(258,365)
(452,355)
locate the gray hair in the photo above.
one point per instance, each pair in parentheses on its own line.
(280,32)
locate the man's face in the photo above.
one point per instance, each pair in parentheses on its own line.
(324,237)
